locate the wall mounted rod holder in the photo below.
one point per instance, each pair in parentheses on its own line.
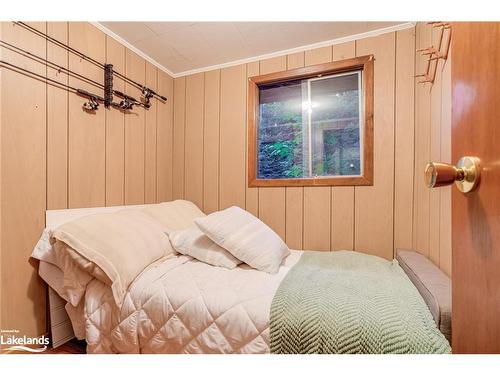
(108,84)
(87,58)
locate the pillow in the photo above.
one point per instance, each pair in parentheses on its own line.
(77,272)
(246,237)
(121,244)
(194,243)
(175,215)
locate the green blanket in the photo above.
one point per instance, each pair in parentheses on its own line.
(349,302)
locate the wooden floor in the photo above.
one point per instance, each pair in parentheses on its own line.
(71,347)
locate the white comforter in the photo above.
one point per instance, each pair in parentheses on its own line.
(181,305)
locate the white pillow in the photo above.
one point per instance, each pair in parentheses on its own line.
(175,215)
(246,237)
(194,243)
(120,244)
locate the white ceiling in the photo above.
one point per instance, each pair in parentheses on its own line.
(186,46)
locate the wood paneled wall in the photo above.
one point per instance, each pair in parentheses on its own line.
(411,126)
(55,155)
(432,208)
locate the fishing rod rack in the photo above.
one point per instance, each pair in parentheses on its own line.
(126,102)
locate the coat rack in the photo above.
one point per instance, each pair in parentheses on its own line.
(436,53)
(126,103)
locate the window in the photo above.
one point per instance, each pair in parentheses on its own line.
(312,126)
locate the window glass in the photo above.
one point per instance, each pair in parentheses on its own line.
(310,128)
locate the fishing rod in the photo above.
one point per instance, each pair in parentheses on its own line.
(59,43)
(145,90)
(93,99)
(127,104)
(52,64)
(39,76)
(93,103)
(128,101)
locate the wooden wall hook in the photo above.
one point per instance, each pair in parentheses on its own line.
(441,52)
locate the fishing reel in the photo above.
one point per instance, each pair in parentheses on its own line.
(91,105)
(126,104)
(147,94)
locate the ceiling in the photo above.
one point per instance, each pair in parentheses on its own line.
(186,46)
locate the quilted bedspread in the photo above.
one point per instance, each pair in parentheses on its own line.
(349,302)
(181,305)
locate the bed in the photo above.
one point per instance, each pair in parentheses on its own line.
(175,305)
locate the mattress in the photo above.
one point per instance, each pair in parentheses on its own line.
(69,324)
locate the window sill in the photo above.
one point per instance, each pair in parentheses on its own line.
(315,181)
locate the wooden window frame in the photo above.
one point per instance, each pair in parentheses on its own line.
(363,63)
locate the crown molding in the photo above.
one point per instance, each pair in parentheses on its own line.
(345,39)
(131,47)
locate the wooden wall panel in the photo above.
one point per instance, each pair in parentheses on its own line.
(272,200)
(422,146)
(374,204)
(53,154)
(87,131)
(372,219)
(211,141)
(342,201)
(23,182)
(432,208)
(294,217)
(435,154)
(252,193)
(134,133)
(115,131)
(404,149)
(193,165)
(232,178)
(178,140)
(342,231)
(57,121)
(1,163)
(294,195)
(445,201)
(317,200)
(317,218)
(150,133)
(164,137)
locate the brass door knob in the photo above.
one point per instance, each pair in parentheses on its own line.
(465,174)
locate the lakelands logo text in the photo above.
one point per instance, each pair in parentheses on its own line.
(13,342)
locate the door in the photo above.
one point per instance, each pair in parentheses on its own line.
(475,214)
(476,201)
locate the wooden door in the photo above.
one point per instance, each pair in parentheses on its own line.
(476,215)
